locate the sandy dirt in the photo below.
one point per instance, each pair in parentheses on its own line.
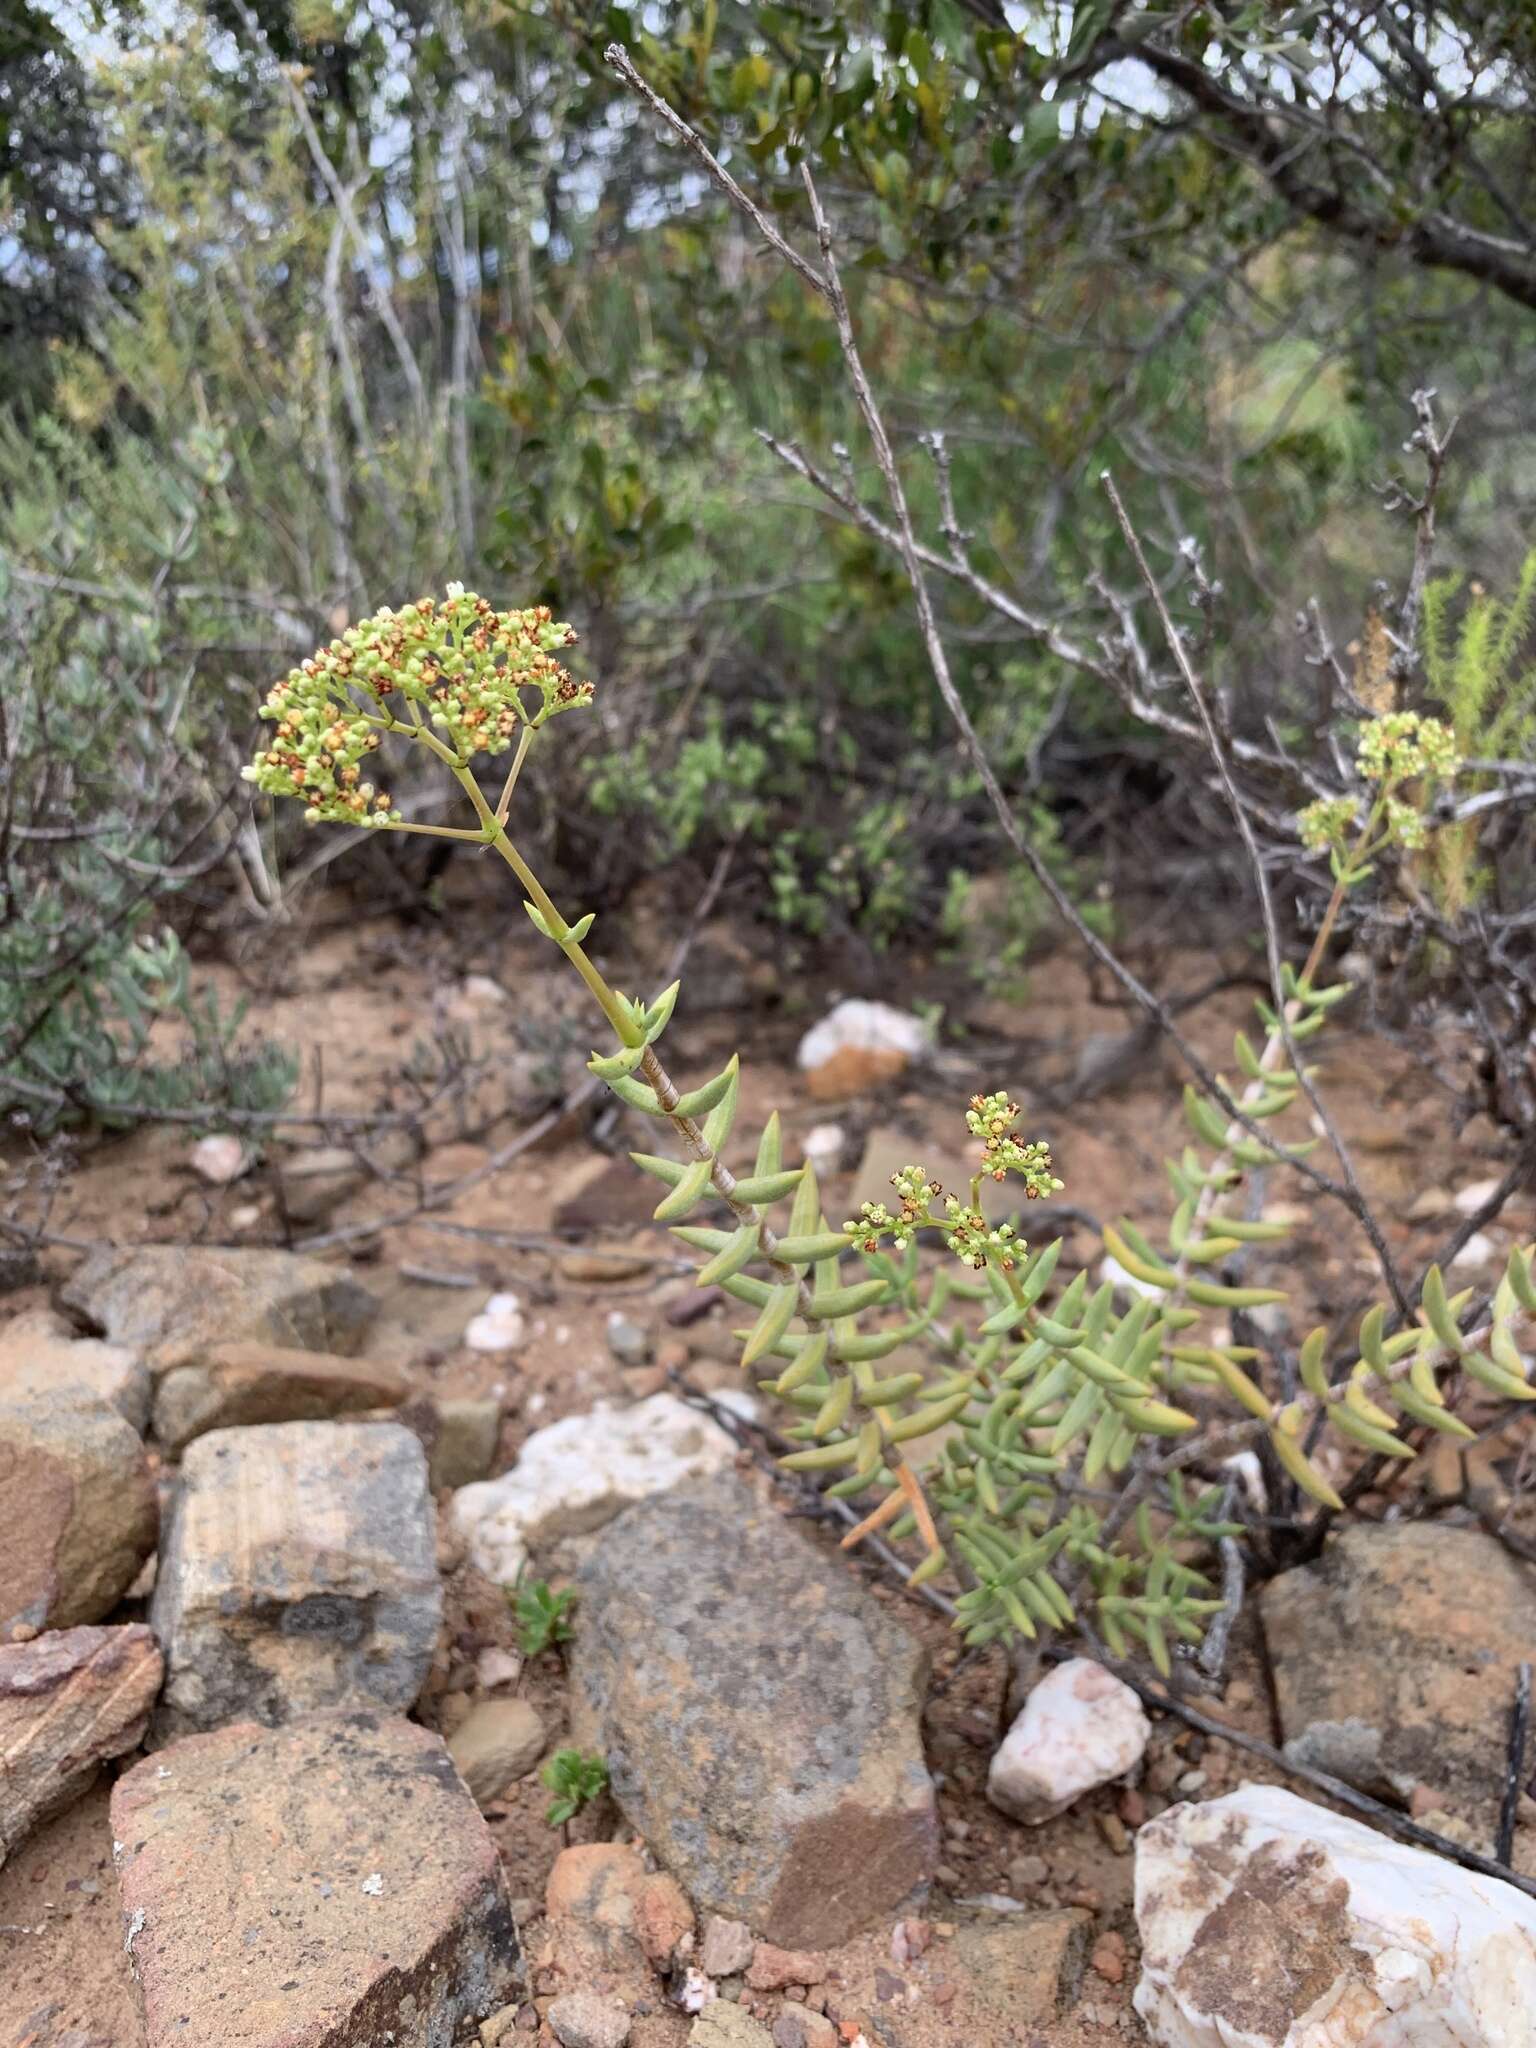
(372,1009)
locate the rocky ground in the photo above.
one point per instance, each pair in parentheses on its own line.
(271,1752)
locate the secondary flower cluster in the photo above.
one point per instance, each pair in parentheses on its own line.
(992,1118)
(914,1193)
(460,667)
(1401,745)
(966,1231)
(1398,748)
(972,1238)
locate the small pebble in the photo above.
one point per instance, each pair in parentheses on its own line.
(1191,1781)
(588,2019)
(1112,1828)
(498,1327)
(1108,1957)
(629,1341)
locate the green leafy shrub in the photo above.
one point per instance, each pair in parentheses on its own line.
(1036,1399)
(576,1780)
(543,1616)
(109,800)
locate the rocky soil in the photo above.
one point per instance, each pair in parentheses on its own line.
(270,1754)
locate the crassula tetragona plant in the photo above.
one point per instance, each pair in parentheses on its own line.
(1037,1450)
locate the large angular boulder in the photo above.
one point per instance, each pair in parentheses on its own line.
(325,1885)
(577,1474)
(234,1385)
(40,1354)
(1395,1659)
(77,1508)
(1267,1922)
(68,1701)
(759,1713)
(173,1301)
(298,1573)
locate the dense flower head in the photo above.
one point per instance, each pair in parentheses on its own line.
(992,1119)
(1402,744)
(970,1237)
(915,1192)
(459,667)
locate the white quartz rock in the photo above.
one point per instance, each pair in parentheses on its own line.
(218,1158)
(1267,1922)
(498,1327)
(1080,1727)
(867,1027)
(582,1471)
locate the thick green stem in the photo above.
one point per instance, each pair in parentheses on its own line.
(495,833)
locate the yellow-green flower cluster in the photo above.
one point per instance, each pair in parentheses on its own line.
(316,754)
(461,668)
(1326,823)
(1401,745)
(914,1191)
(972,1238)
(992,1119)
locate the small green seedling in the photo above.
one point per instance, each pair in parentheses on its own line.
(542,1615)
(576,1780)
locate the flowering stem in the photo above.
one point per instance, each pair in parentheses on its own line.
(504,801)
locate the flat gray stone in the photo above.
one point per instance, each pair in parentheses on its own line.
(759,1713)
(172,1301)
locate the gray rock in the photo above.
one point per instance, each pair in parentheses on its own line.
(497,1741)
(315,1182)
(298,1573)
(759,1713)
(323,1885)
(589,2019)
(727,1947)
(1395,1658)
(172,1301)
(39,1353)
(460,1438)
(723,2025)
(629,1341)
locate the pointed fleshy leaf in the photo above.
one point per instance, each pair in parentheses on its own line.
(610,1066)
(777,1314)
(688,1190)
(669,1170)
(699,1100)
(735,1253)
(763,1188)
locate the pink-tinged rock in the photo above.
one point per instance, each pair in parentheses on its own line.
(1079,1728)
(68,1700)
(325,1885)
(77,1508)
(234,1385)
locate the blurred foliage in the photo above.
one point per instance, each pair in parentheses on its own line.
(109,796)
(455,308)
(1480,664)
